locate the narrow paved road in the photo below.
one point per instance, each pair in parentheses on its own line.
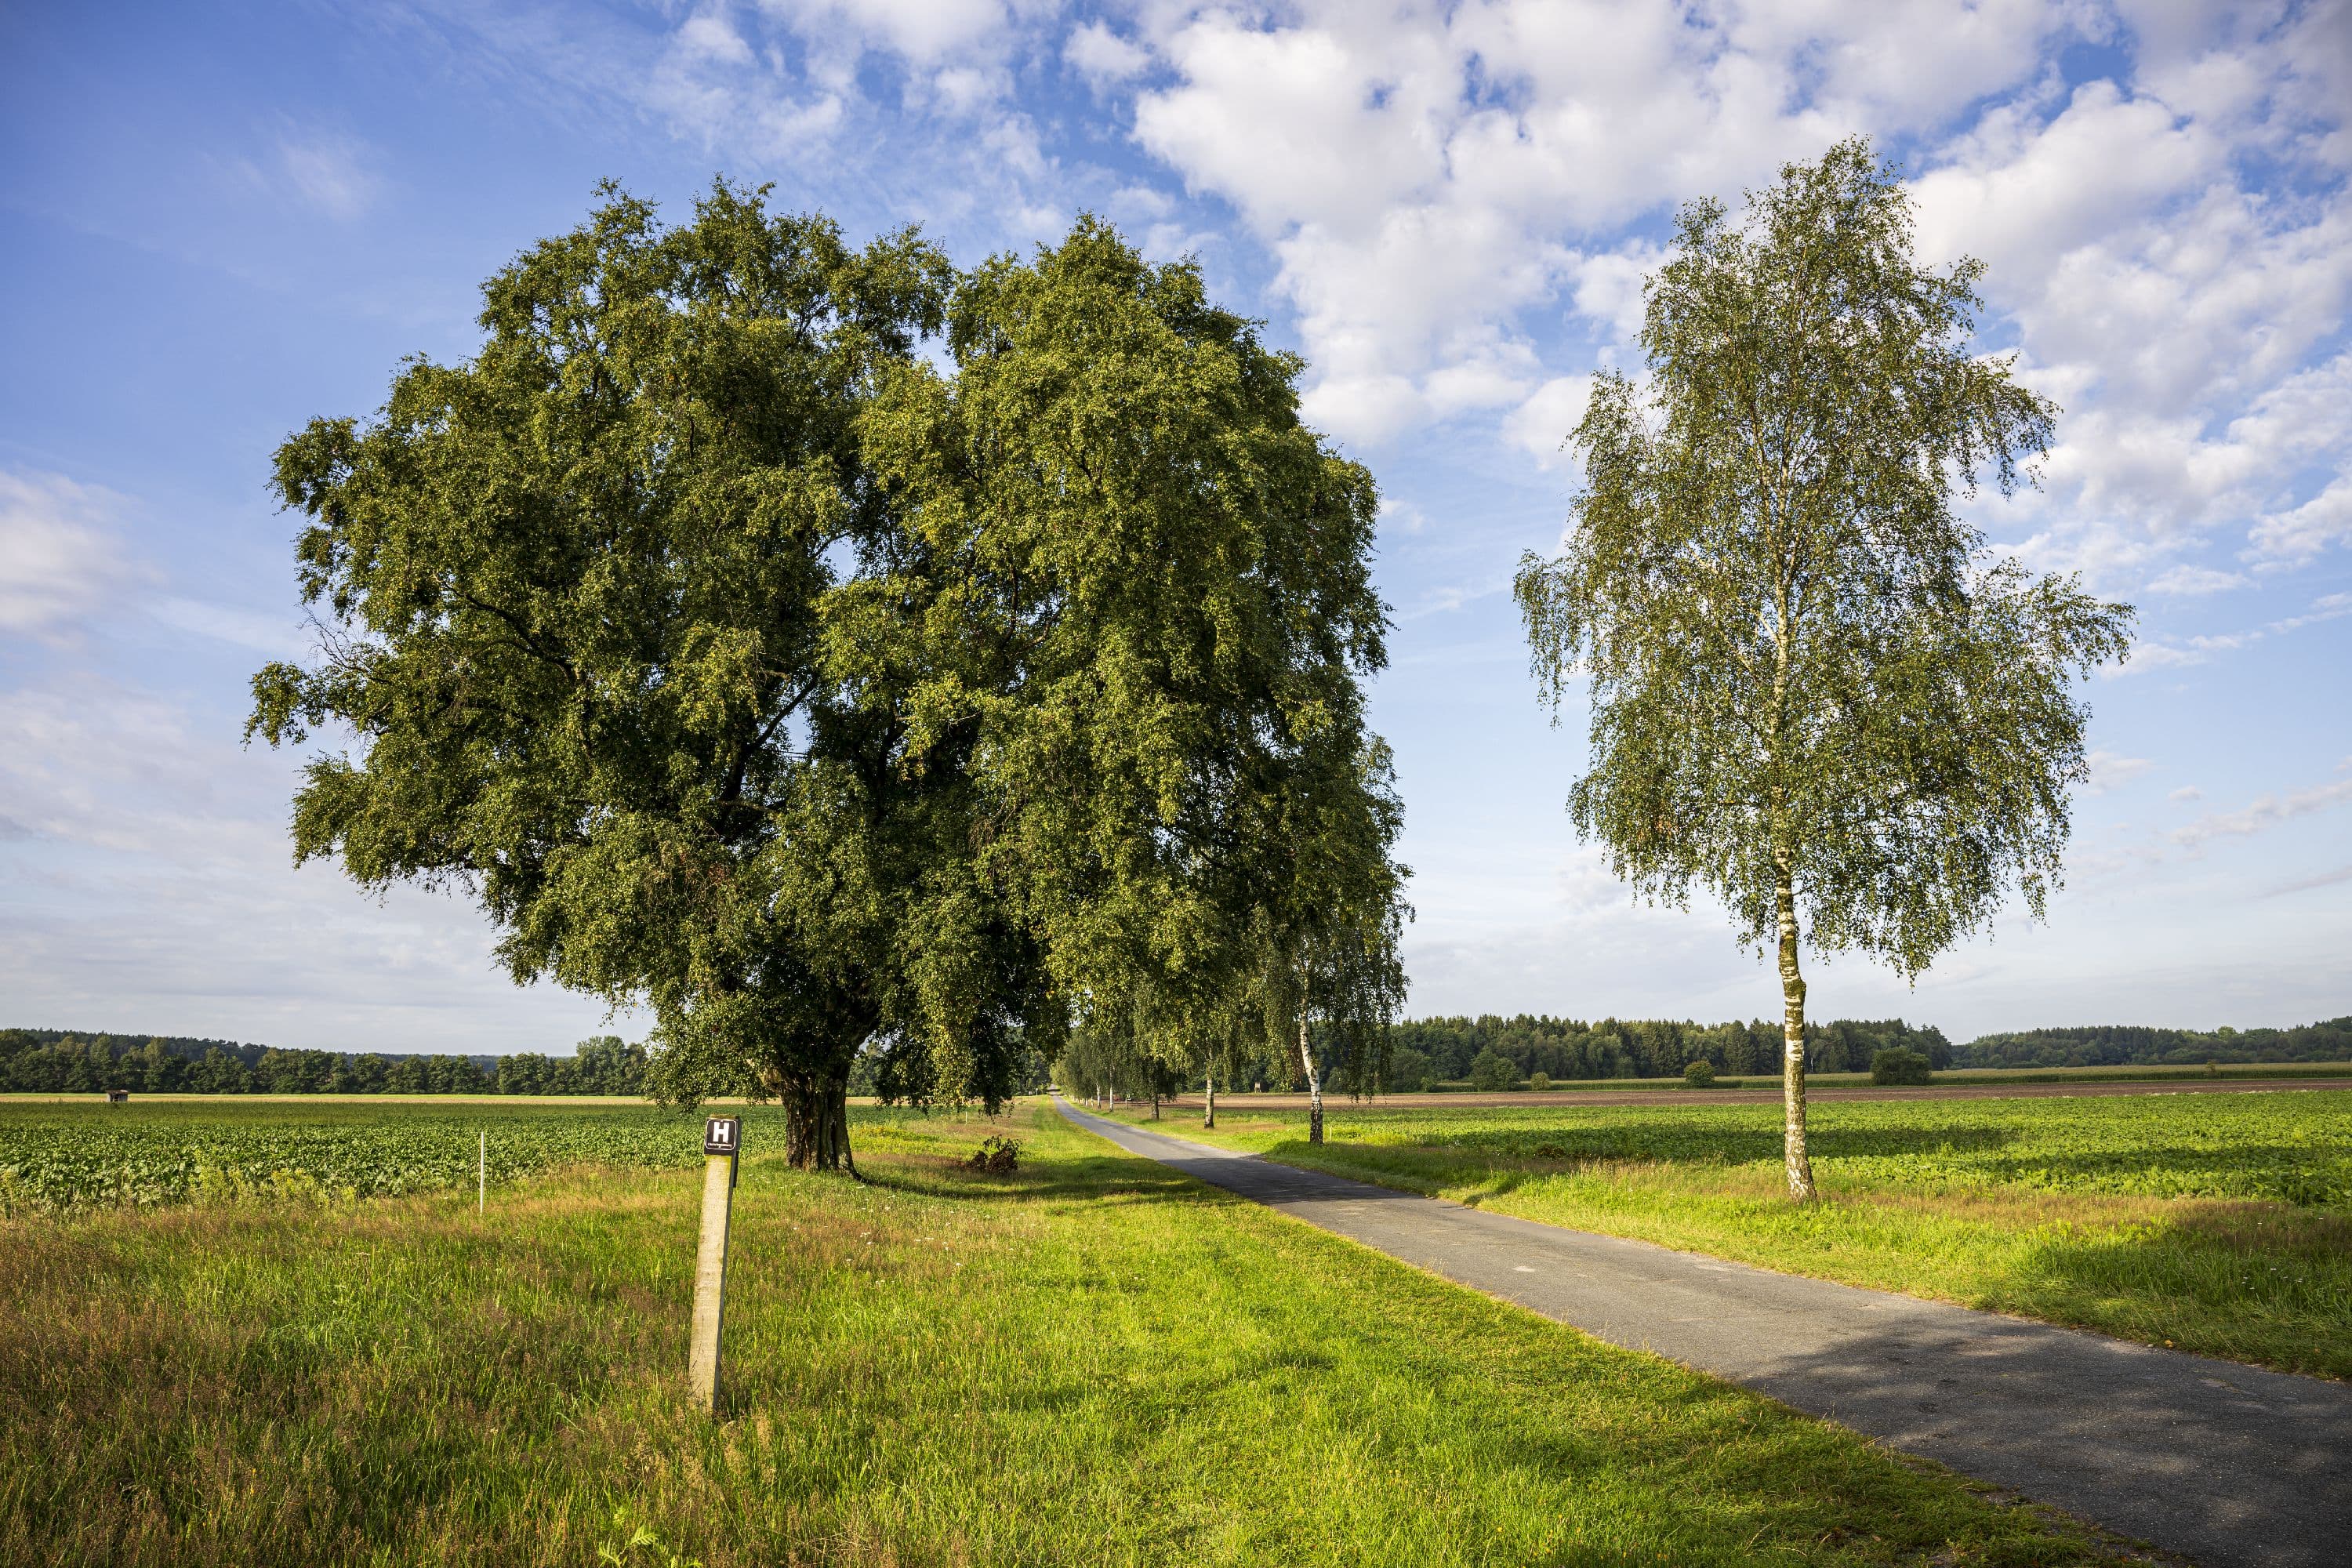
(2223,1464)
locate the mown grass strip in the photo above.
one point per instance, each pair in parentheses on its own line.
(2220,1224)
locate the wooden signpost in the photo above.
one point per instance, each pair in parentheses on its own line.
(722,1136)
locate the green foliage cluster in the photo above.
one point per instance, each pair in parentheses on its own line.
(1491,1071)
(842,654)
(1897,1066)
(1427,1051)
(57,1061)
(57,1157)
(2291,1147)
(2124,1045)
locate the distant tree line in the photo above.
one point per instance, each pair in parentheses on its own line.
(2132,1045)
(1491,1050)
(57,1061)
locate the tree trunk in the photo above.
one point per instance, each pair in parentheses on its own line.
(1793,1036)
(1209,1118)
(817,1123)
(1314,1084)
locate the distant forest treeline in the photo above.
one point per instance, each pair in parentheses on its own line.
(1439,1050)
(2132,1045)
(60,1061)
(1423,1052)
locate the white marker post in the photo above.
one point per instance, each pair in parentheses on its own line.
(482,1179)
(722,1136)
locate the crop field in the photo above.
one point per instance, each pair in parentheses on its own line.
(66,1155)
(1089,1361)
(2220,1222)
(77,1155)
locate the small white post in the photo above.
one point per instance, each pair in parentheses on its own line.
(482,1177)
(721,1137)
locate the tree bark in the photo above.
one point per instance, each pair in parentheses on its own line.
(817,1123)
(1793,1157)
(1209,1117)
(1314,1084)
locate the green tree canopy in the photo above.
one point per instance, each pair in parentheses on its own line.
(1812,695)
(742,662)
(1145,585)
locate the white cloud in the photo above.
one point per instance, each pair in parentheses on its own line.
(1539,426)
(327,174)
(58,560)
(2197,649)
(2186,793)
(923,31)
(2268,810)
(2112,770)
(146,885)
(2326,607)
(2186,581)
(2299,534)
(1102,56)
(277,636)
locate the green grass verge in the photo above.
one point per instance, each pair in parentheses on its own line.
(1091,1361)
(2220,1224)
(1947,1078)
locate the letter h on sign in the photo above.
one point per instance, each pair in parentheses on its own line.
(722,1134)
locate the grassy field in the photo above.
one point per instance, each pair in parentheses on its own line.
(1959,1077)
(1091,1361)
(2218,1223)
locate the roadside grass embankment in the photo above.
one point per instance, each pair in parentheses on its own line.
(2219,1224)
(1092,1360)
(1949,1077)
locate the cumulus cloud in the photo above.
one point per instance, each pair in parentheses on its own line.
(1102,56)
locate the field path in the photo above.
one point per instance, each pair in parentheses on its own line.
(2220,1463)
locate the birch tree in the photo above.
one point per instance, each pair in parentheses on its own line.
(1813,693)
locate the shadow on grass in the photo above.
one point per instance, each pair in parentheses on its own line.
(1109,1179)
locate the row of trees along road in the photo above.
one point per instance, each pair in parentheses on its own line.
(745,661)
(1810,696)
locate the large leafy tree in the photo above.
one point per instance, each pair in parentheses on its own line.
(1812,694)
(576,595)
(1142,585)
(740,661)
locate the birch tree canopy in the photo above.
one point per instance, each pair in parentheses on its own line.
(1814,695)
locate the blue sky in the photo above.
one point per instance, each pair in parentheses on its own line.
(218,222)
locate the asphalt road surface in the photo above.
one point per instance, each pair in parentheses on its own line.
(2220,1463)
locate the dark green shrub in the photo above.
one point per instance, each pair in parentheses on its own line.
(1896,1065)
(1491,1072)
(1540,1082)
(1699,1074)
